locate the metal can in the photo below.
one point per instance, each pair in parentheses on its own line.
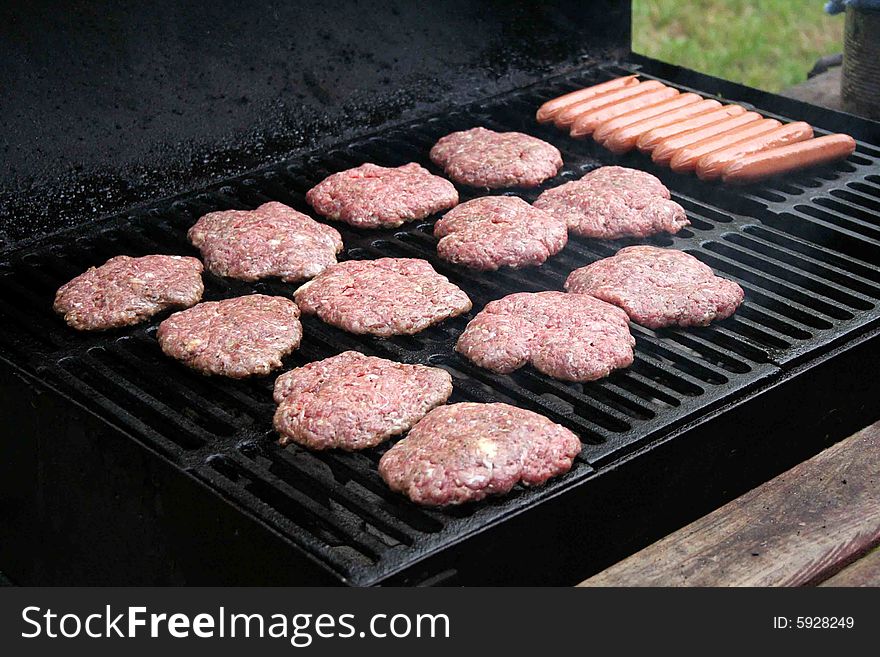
(860,88)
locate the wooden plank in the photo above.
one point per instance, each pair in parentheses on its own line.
(864,572)
(797,529)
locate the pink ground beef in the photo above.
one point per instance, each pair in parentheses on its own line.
(238,337)
(565,336)
(499,231)
(484,158)
(465,452)
(370,196)
(659,287)
(614,202)
(273,240)
(125,291)
(352,401)
(384,297)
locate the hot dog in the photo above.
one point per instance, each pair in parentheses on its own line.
(685,159)
(601,133)
(548,110)
(784,159)
(624,139)
(649,140)
(666,149)
(709,167)
(587,123)
(567,116)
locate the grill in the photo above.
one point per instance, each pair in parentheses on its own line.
(702,413)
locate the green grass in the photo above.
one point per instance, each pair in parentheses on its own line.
(768,44)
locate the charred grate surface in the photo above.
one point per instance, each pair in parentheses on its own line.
(802,249)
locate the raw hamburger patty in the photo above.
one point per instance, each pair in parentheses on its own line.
(557,333)
(626,178)
(499,231)
(236,337)
(613,202)
(370,196)
(484,158)
(273,240)
(388,296)
(464,452)
(125,291)
(658,287)
(352,401)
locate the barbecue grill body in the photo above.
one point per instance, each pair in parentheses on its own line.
(119,467)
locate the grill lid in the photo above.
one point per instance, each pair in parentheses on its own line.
(107,104)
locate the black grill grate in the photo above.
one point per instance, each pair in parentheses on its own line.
(802,249)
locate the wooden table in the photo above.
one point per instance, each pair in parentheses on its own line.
(816,524)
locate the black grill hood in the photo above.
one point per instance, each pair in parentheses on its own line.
(106,104)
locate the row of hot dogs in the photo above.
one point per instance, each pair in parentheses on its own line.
(690,133)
